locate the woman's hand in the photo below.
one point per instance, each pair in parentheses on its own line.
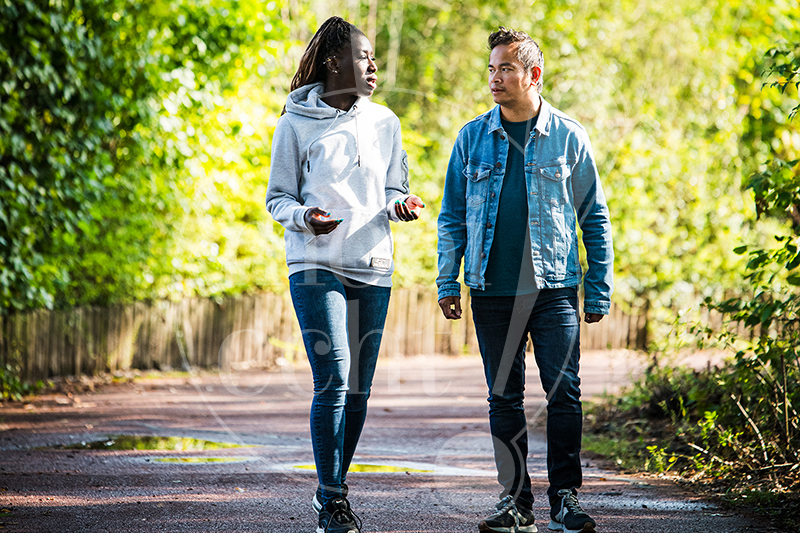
(409,209)
(319,221)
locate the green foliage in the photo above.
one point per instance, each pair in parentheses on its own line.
(135,136)
(95,141)
(767,370)
(783,65)
(11,388)
(661,87)
(740,422)
(222,240)
(721,427)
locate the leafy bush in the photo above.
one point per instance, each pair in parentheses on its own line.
(11,388)
(737,423)
(722,428)
(103,104)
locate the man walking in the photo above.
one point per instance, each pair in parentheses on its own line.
(521,178)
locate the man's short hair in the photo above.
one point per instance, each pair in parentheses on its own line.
(528,52)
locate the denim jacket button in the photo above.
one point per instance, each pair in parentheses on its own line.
(475,175)
(489,225)
(502,137)
(493,195)
(483,254)
(498,164)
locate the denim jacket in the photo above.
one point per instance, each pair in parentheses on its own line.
(564,192)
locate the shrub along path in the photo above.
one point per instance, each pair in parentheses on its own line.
(425,457)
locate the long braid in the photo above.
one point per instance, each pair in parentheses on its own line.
(331,37)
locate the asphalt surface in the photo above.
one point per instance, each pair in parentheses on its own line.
(427,423)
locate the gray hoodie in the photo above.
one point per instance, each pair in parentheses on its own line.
(351,164)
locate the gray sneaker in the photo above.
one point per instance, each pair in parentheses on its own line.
(569,517)
(508,519)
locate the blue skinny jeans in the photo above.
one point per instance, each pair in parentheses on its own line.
(342,322)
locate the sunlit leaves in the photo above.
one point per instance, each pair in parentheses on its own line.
(783,66)
(135,135)
(102,103)
(767,369)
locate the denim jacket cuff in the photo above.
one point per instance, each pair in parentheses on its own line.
(450,288)
(596,307)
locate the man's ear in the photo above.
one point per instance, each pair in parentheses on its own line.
(536,75)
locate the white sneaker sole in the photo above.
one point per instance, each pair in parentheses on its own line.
(558,526)
(486,529)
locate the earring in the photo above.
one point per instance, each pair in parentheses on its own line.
(335,71)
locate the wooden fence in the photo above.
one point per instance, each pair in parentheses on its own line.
(248,331)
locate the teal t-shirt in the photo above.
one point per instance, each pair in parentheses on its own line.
(509,271)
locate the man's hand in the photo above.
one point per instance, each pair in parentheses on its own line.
(319,221)
(593,317)
(451,307)
(409,209)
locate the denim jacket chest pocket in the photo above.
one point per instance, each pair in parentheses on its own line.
(555,183)
(477,176)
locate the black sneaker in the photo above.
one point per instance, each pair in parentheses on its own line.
(508,519)
(336,517)
(316,501)
(569,517)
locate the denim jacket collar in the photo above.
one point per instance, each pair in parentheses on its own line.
(542,123)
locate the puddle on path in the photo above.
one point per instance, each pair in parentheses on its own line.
(199,460)
(132,442)
(372,468)
(400,467)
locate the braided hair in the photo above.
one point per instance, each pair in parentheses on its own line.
(331,37)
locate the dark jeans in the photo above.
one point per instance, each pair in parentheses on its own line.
(502,325)
(342,325)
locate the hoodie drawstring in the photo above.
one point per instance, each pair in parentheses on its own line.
(358,148)
(308,150)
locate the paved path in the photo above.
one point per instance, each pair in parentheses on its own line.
(427,419)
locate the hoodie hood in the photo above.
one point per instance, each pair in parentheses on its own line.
(307,101)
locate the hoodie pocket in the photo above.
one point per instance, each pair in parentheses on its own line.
(362,241)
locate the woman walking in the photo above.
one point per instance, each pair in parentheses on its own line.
(338,176)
